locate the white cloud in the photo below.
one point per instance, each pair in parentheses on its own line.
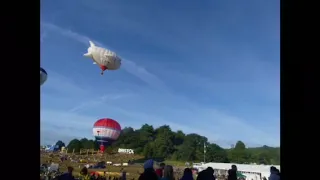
(99,101)
(65,32)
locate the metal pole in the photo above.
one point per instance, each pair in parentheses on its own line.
(204,152)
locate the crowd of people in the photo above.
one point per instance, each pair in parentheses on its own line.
(165,172)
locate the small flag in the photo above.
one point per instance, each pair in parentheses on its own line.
(204,148)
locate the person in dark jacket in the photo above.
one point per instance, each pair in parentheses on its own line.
(206,174)
(201,175)
(232,173)
(159,171)
(123,175)
(187,174)
(68,175)
(149,173)
(278,172)
(274,173)
(84,174)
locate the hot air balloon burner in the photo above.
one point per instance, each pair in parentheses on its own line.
(101,143)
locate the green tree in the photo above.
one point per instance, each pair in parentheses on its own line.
(163,143)
(60,144)
(239,154)
(191,148)
(74,144)
(87,144)
(148,150)
(216,153)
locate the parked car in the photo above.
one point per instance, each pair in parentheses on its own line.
(99,165)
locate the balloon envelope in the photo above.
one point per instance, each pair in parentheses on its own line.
(103,57)
(43,76)
(106,131)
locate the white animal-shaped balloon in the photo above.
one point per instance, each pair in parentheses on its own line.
(106,59)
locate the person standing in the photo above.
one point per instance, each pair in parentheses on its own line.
(168,173)
(149,173)
(68,175)
(187,174)
(159,171)
(232,173)
(274,173)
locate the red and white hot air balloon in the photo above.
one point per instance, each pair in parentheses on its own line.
(106,131)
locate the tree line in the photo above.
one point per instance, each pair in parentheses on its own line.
(162,142)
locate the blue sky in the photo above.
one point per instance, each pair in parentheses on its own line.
(206,67)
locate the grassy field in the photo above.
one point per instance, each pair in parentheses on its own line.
(175,163)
